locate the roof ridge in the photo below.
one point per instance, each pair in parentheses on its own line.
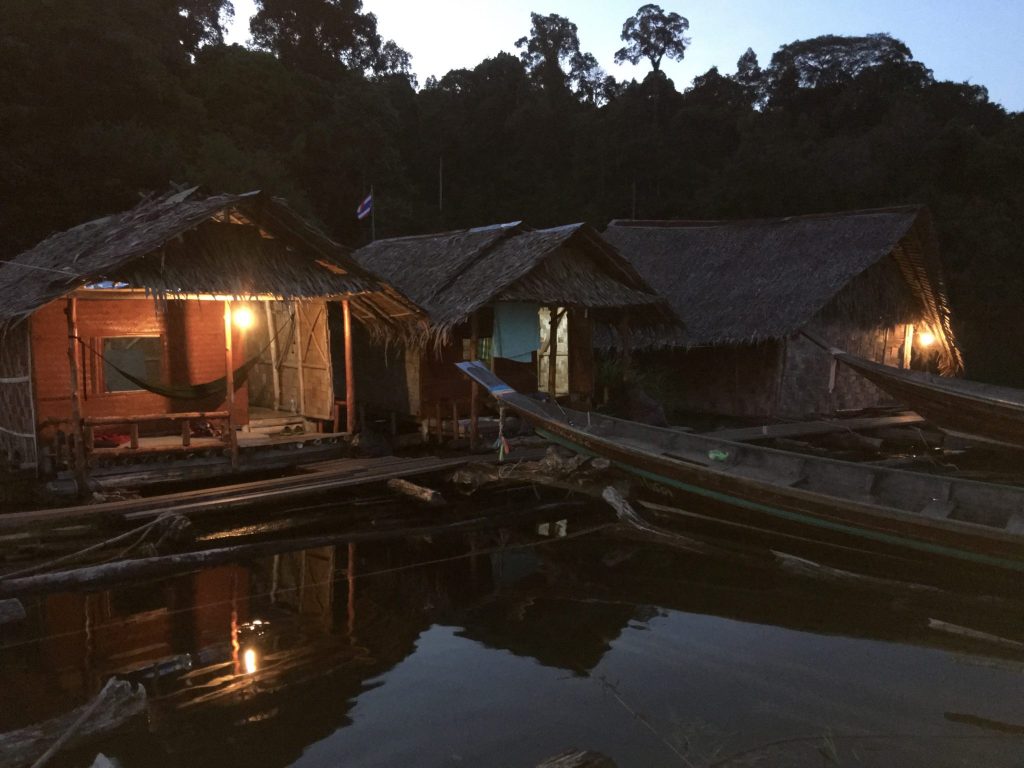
(695,223)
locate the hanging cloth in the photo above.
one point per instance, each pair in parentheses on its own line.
(516,334)
(218,388)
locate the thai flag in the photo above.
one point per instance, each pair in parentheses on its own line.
(365,207)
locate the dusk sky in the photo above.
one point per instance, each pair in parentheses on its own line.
(978,42)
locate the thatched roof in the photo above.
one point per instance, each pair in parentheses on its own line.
(737,282)
(452,274)
(185,244)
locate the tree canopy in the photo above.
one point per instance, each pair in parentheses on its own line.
(653,34)
(110,99)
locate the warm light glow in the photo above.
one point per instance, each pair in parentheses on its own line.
(926,338)
(249,659)
(243,318)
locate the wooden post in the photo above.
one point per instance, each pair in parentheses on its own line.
(275,372)
(552,351)
(908,346)
(437,421)
(350,374)
(298,359)
(186,433)
(80,468)
(133,430)
(230,381)
(627,346)
(474,388)
(455,419)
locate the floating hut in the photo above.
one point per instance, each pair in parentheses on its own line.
(868,281)
(167,329)
(524,300)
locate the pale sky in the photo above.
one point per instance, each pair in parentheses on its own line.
(978,41)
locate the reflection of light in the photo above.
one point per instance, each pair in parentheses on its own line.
(926,338)
(249,658)
(243,318)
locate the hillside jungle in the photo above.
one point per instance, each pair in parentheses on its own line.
(104,100)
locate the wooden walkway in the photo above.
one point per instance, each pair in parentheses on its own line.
(316,479)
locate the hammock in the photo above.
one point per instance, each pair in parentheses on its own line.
(218,388)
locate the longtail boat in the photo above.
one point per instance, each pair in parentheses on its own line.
(904,517)
(957,406)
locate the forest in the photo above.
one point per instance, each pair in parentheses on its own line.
(108,100)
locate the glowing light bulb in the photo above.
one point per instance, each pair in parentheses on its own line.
(249,659)
(926,338)
(243,318)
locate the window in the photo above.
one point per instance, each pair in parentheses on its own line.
(140,356)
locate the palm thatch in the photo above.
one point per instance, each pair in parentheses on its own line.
(741,282)
(186,244)
(452,274)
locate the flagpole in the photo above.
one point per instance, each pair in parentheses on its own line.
(373,211)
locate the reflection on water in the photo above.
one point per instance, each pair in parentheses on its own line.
(504,649)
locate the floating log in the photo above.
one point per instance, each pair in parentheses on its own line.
(974,634)
(577,758)
(112,708)
(11,612)
(151,567)
(418,492)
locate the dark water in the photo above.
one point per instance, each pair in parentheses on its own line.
(502,650)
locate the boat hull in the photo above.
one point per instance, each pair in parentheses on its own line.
(682,468)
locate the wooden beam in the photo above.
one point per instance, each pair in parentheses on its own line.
(474,388)
(230,382)
(298,358)
(350,374)
(100,421)
(81,469)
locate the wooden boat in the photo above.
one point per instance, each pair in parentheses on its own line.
(957,406)
(899,516)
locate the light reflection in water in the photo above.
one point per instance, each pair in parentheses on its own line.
(249,658)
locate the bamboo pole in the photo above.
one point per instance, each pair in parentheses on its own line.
(81,469)
(229,357)
(350,375)
(474,388)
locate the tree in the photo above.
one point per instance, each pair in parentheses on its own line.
(749,76)
(318,35)
(653,34)
(200,22)
(552,42)
(831,60)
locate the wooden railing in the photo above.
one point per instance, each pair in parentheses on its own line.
(90,423)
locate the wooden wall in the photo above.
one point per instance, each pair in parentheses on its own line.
(193,338)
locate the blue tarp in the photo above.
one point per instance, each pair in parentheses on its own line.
(516,331)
